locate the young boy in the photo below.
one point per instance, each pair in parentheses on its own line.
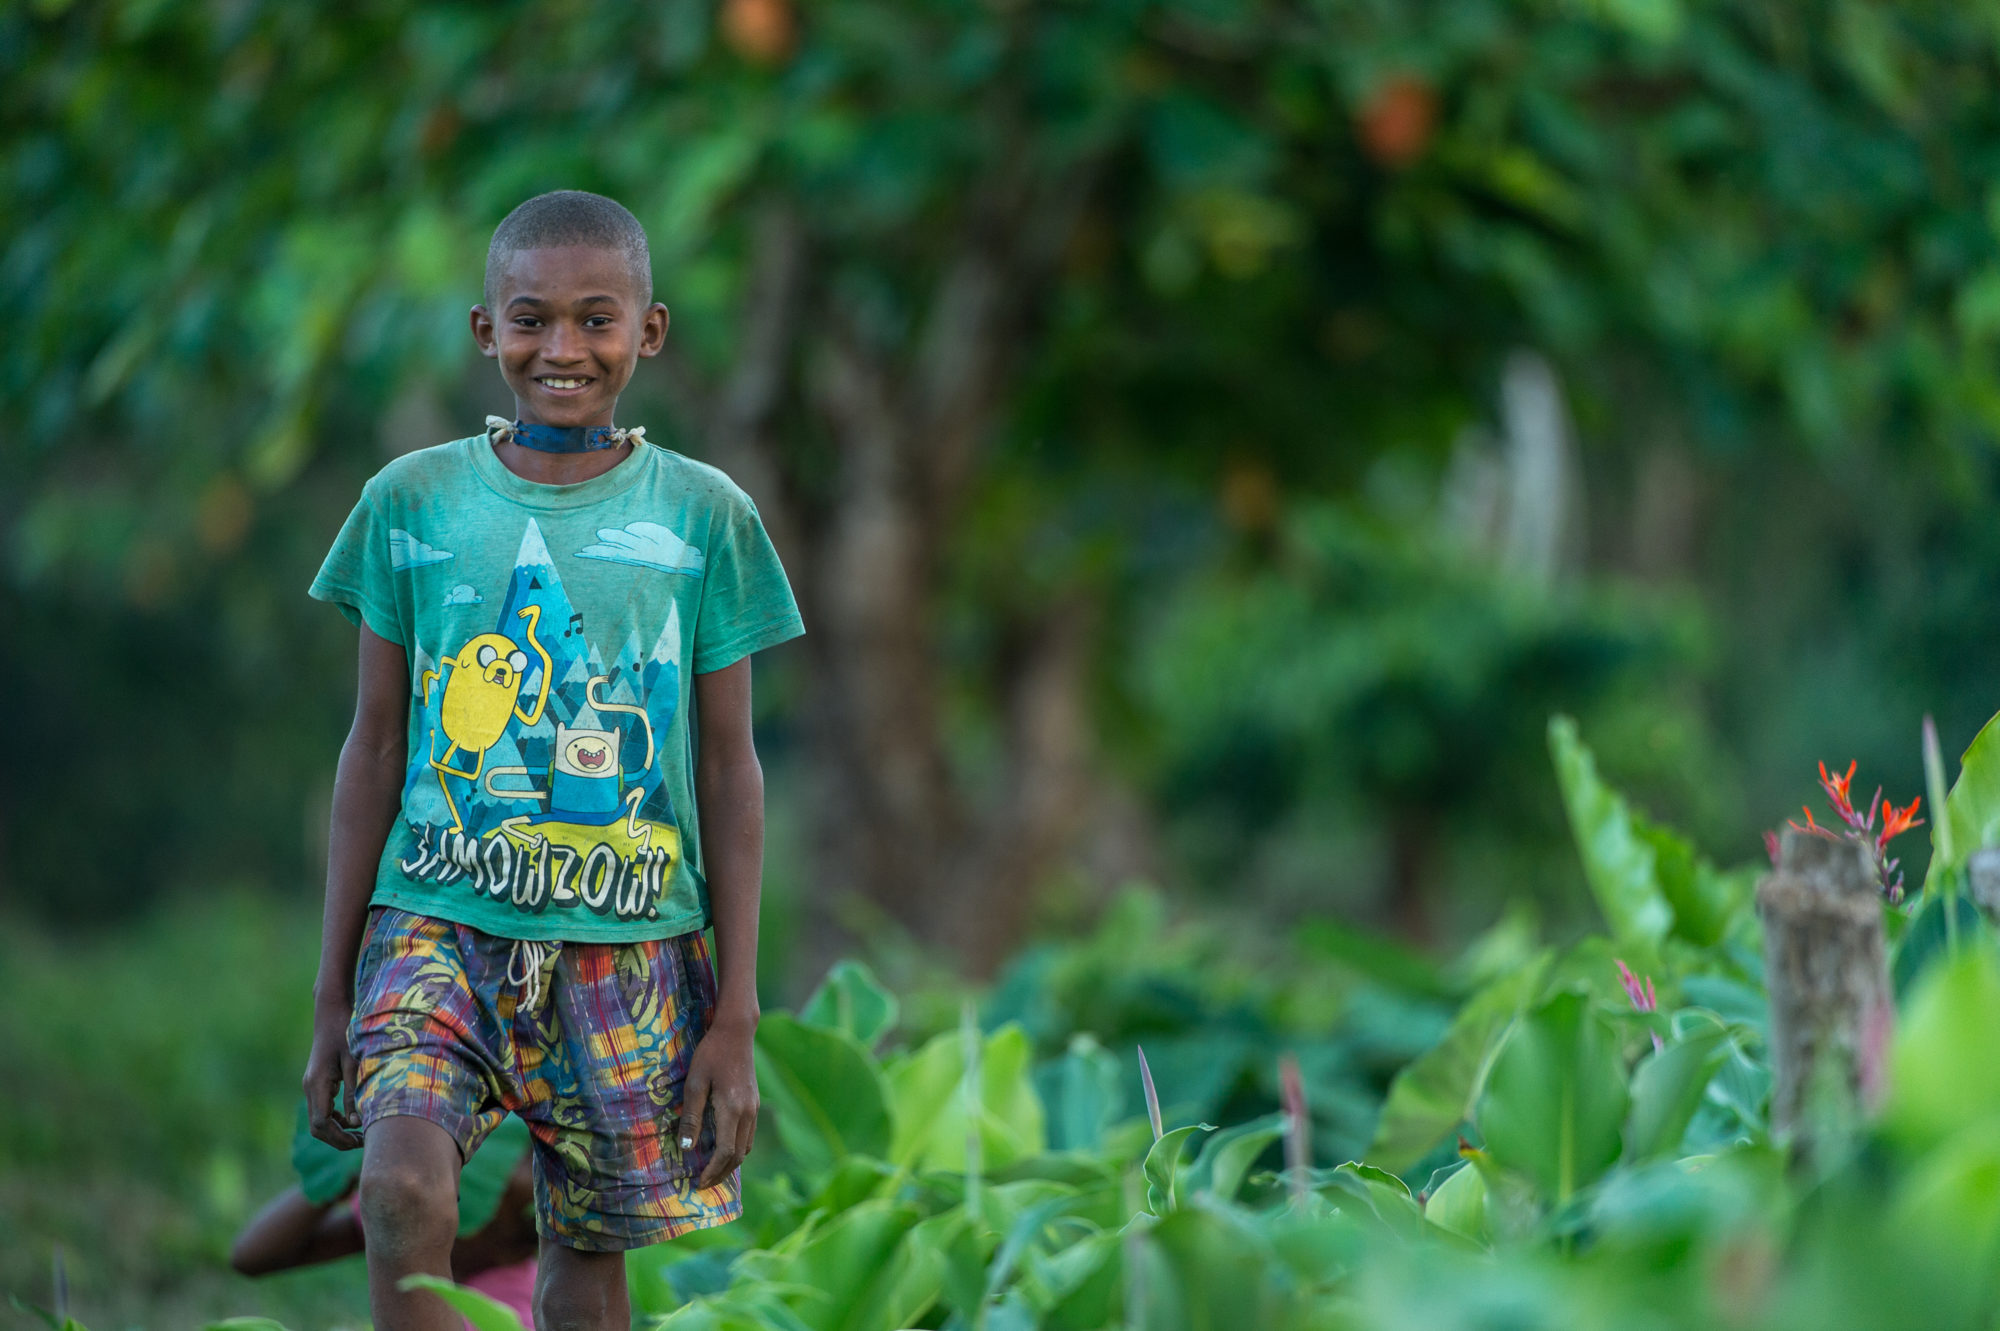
(549,790)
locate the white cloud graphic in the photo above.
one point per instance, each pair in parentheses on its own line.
(463,594)
(407,551)
(646,544)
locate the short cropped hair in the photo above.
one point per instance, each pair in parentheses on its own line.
(571,217)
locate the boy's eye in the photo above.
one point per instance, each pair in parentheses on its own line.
(598,321)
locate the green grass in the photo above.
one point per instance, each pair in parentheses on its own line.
(153,1073)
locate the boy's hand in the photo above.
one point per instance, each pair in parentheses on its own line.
(722,1075)
(330,1069)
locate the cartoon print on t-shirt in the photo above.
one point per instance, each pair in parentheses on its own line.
(480,697)
(604,837)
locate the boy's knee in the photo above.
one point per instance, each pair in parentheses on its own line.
(582,1293)
(405,1205)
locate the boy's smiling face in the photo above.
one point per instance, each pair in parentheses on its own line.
(568,327)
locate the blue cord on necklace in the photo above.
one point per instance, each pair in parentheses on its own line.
(561,438)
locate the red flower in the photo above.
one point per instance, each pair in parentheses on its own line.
(1897,821)
(1836,786)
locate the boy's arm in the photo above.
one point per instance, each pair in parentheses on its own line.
(292,1231)
(367,792)
(729,793)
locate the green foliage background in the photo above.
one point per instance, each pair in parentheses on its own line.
(1756,240)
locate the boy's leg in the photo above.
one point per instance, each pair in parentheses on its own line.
(409,1209)
(580,1291)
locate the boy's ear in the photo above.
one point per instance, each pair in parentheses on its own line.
(482,331)
(653,329)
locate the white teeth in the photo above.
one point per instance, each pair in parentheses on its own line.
(565,383)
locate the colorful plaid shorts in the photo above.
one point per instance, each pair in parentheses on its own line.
(591,1051)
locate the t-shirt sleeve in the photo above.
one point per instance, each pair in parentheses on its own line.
(746,603)
(357,576)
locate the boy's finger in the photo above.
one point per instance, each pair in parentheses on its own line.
(732,1127)
(350,1076)
(720,1166)
(694,1104)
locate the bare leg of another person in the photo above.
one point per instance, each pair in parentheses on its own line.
(409,1212)
(580,1291)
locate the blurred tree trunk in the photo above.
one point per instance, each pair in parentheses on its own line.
(893,821)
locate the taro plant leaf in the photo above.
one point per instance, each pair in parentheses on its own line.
(1081,1092)
(756,1308)
(1386,1198)
(1459,1204)
(1214,1269)
(1927,939)
(827,1095)
(1075,1286)
(1949,1200)
(485,1314)
(483,1180)
(235,1324)
(1668,1088)
(1163,1163)
(856,1272)
(1944,1071)
(1227,1157)
(929,1109)
(325,1173)
(1435,1092)
(1021,1236)
(1705,900)
(1619,862)
(851,999)
(961,1248)
(1556,1099)
(1973,807)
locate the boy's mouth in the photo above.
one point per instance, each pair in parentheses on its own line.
(562,383)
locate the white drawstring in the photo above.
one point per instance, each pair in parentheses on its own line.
(537,955)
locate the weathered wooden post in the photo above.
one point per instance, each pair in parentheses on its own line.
(1826,971)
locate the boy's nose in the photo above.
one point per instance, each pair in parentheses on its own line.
(563,346)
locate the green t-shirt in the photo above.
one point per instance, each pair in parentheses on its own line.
(551,632)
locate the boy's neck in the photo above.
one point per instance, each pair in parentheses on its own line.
(559,468)
(545,468)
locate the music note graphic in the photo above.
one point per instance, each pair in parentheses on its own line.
(575,625)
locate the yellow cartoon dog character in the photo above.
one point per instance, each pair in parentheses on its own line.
(481,696)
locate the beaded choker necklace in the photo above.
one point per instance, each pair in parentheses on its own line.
(560,438)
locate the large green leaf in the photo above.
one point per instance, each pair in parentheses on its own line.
(1973,806)
(1081,1092)
(1162,1166)
(1944,1072)
(856,1272)
(929,1107)
(484,1178)
(851,999)
(1927,939)
(1227,1157)
(324,1172)
(485,1314)
(1706,901)
(1435,1092)
(1668,1088)
(1618,859)
(827,1096)
(1555,1102)
(1459,1204)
